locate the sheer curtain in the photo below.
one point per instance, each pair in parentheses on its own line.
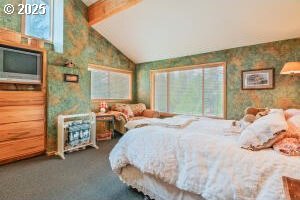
(197,91)
(185,88)
(213,91)
(110,85)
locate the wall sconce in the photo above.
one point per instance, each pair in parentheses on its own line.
(291,68)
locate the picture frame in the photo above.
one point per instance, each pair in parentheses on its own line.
(258,79)
(73,78)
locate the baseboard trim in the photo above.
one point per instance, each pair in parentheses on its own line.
(51,153)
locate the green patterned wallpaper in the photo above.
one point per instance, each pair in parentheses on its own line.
(13,21)
(287,89)
(82,45)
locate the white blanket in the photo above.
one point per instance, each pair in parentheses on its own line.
(179,121)
(200,159)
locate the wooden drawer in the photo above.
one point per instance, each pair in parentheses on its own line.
(22,130)
(12,114)
(21,148)
(103,127)
(104,118)
(19,98)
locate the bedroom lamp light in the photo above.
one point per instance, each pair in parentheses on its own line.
(291,68)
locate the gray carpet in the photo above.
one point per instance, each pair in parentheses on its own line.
(84,175)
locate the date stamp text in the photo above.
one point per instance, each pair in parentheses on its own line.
(25,9)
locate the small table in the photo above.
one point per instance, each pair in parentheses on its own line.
(103,117)
(291,188)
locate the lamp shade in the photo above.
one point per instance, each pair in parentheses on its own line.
(291,68)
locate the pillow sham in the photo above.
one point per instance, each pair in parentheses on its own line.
(291,112)
(265,131)
(124,108)
(137,109)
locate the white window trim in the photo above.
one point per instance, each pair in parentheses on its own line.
(23,24)
(111,69)
(172,69)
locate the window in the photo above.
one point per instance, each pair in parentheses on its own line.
(38,25)
(197,90)
(110,84)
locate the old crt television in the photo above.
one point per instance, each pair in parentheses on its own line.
(20,66)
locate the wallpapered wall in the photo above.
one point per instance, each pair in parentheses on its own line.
(285,95)
(82,45)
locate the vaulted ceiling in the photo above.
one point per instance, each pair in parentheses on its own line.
(160,29)
(89,2)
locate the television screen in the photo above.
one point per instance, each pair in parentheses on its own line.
(14,62)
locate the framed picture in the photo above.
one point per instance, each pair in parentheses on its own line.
(258,79)
(71,78)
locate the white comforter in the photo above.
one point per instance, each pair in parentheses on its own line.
(179,121)
(200,159)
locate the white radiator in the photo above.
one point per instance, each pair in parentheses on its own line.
(82,128)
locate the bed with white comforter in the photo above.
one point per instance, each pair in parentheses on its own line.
(200,159)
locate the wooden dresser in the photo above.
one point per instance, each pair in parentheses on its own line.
(23,116)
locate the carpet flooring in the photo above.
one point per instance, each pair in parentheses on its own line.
(84,175)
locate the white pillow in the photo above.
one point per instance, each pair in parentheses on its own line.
(291,112)
(257,135)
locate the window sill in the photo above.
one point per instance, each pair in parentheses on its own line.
(40,39)
(111,100)
(166,114)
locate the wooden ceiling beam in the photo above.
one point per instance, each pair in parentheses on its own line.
(106,8)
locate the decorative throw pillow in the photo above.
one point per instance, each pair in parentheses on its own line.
(288,146)
(265,131)
(124,108)
(137,109)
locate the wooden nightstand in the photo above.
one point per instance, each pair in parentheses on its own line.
(291,188)
(105,124)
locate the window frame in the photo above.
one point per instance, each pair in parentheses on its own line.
(111,69)
(191,67)
(23,24)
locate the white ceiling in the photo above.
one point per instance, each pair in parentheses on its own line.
(161,29)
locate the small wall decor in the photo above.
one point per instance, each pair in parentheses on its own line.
(258,79)
(69,63)
(71,78)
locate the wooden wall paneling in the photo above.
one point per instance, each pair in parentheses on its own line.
(106,8)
